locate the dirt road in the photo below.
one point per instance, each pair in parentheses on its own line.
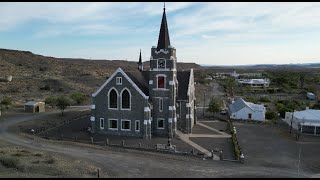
(132,163)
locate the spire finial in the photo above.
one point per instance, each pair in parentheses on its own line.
(164,6)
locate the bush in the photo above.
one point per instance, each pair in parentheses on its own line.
(6,101)
(52,101)
(11,162)
(271,115)
(50,161)
(264,99)
(78,97)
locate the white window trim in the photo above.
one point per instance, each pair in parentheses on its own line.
(129,99)
(102,127)
(109,99)
(160,119)
(109,124)
(122,120)
(160,104)
(135,126)
(117,82)
(165,80)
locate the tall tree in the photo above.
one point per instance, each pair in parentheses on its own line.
(215,105)
(62,103)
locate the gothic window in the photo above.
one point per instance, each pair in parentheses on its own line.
(161,82)
(113,124)
(113,99)
(137,128)
(125,96)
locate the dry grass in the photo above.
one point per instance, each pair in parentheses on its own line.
(18,162)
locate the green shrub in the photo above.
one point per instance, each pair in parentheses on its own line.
(265,99)
(272,115)
(11,162)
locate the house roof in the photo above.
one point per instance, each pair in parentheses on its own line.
(183,84)
(31,103)
(164,39)
(141,79)
(308,115)
(239,103)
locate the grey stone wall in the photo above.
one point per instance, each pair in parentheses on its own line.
(136,113)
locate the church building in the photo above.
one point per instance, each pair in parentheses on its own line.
(144,103)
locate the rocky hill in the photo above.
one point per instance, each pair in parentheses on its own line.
(37,77)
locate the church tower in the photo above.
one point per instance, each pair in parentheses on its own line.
(163,83)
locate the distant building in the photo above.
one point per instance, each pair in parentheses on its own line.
(255,82)
(235,74)
(311,96)
(240,109)
(33,107)
(307,121)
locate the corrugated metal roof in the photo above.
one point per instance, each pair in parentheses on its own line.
(31,103)
(239,103)
(308,115)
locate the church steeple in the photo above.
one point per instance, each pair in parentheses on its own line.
(140,65)
(164,39)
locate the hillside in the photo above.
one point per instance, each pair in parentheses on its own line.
(37,77)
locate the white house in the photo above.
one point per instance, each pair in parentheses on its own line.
(255,82)
(240,109)
(307,121)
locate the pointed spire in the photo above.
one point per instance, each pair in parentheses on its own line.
(140,59)
(164,39)
(140,65)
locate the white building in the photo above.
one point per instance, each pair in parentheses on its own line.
(240,109)
(307,121)
(255,82)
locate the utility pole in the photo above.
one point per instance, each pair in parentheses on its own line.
(292,118)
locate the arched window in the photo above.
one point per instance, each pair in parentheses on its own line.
(161,82)
(125,97)
(113,99)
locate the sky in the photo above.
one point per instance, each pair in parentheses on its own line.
(215,33)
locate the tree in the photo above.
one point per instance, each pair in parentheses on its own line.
(78,97)
(63,103)
(271,115)
(52,101)
(6,101)
(215,105)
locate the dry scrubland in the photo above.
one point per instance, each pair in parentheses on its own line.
(24,163)
(32,72)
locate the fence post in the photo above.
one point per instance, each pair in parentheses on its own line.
(107,141)
(192,151)
(91,140)
(139,145)
(212,155)
(98,173)
(242,159)
(122,142)
(221,156)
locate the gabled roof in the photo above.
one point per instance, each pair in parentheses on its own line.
(239,104)
(183,84)
(164,39)
(119,70)
(141,79)
(32,103)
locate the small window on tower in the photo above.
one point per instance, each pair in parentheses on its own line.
(161,82)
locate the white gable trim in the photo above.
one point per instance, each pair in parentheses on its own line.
(190,85)
(126,76)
